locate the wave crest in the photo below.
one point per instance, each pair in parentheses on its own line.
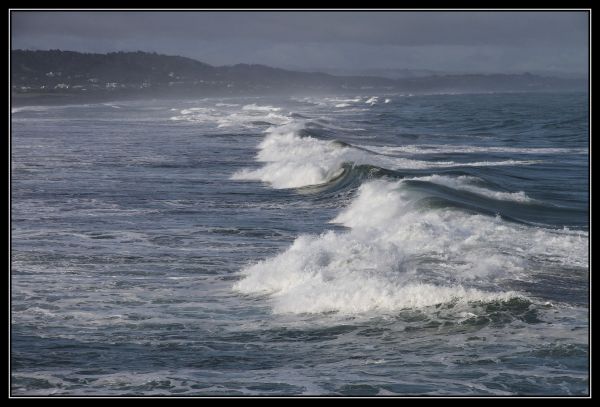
(399,255)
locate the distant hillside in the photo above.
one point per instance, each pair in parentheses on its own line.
(68,73)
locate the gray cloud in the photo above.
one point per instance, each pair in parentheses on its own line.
(458,41)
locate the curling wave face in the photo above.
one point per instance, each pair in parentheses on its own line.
(400,254)
(294,161)
(406,247)
(381,245)
(403,249)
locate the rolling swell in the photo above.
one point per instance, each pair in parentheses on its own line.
(520,209)
(303,158)
(411,242)
(513,207)
(351,177)
(124,269)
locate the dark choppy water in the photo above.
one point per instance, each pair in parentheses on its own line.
(351,246)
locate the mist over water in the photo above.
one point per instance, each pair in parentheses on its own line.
(344,245)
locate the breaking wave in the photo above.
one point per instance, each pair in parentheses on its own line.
(401,253)
(411,242)
(294,161)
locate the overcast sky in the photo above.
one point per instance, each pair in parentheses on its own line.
(353,41)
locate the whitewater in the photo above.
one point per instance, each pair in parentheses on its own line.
(329,245)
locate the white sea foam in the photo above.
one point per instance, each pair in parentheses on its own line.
(197,115)
(29,109)
(351,100)
(249,120)
(111,105)
(465,149)
(292,161)
(466,183)
(329,101)
(261,108)
(397,255)
(485,163)
(237,118)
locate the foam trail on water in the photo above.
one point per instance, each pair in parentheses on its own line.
(29,109)
(466,183)
(246,117)
(261,108)
(462,149)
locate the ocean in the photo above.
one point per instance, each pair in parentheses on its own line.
(381,245)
